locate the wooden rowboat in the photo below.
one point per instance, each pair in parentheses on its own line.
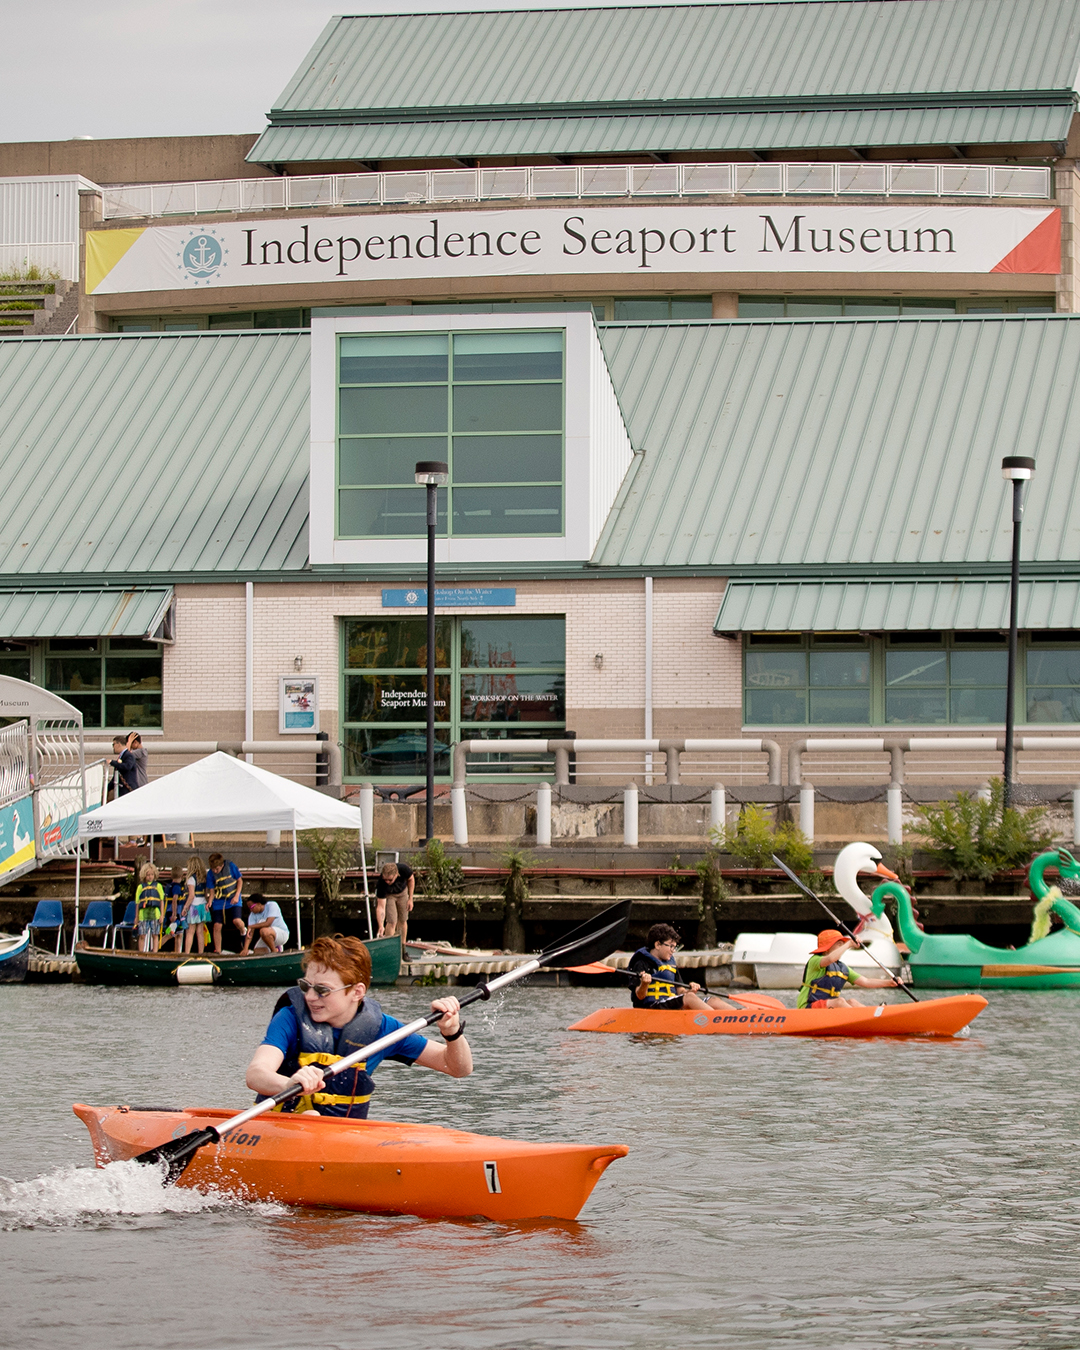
(373,1166)
(103,965)
(931,1017)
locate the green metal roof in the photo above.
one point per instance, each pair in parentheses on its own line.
(113,613)
(848,443)
(170,453)
(895,606)
(656,61)
(664,133)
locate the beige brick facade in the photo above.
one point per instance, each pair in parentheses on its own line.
(696,676)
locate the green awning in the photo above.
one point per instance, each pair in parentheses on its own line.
(893,606)
(89,614)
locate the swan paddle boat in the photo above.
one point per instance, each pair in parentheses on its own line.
(372,1166)
(960,961)
(760,1015)
(777,960)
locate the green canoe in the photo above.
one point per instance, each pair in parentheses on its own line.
(99,965)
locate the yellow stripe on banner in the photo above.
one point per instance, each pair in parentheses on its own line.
(104,249)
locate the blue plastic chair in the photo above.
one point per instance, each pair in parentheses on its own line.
(127,924)
(98,919)
(49,916)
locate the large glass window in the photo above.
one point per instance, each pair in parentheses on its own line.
(489,404)
(907,679)
(496,677)
(114,682)
(883,306)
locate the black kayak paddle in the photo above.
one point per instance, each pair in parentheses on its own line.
(596,938)
(843,927)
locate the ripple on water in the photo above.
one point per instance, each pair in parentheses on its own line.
(122,1194)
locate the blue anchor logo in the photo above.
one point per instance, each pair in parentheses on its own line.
(202,255)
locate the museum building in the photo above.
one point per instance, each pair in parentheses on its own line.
(723,351)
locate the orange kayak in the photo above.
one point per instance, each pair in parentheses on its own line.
(374,1166)
(931,1017)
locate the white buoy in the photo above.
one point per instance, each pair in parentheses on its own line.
(195,972)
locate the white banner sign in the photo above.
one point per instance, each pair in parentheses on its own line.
(538,242)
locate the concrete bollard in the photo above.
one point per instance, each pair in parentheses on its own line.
(718,807)
(543,816)
(630,815)
(895,813)
(806,810)
(367,811)
(983,792)
(459,815)
(273,838)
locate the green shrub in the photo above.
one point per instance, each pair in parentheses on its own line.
(755,837)
(975,839)
(334,853)
(436,872)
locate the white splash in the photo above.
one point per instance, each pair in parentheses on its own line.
(74,1196)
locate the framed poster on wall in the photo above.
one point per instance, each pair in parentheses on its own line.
(298,705)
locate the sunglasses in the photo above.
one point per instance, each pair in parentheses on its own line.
(322,990)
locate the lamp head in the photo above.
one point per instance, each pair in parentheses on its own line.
(430,471)
(1017,467)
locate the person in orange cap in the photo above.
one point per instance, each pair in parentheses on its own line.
(825,974)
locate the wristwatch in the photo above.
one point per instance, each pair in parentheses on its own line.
(454,1036)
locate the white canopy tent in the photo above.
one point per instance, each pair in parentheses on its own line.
(221,794)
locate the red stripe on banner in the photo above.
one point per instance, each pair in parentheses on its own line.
(1039,252)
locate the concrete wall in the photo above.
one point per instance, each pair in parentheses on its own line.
(140,159)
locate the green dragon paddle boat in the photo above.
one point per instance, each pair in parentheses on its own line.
(104,965)
(959,961)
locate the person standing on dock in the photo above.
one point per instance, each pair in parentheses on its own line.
(825,974)
(224,887)
(658,975)
(328,1016)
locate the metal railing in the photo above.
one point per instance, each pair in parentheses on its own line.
(873,761)
(323,767)
(578,182)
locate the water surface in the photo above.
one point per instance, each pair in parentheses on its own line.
(777,1193)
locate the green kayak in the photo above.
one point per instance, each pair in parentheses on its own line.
(99,965)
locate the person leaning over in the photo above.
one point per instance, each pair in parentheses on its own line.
(394,900)
(266,924)
(224,887)
(658,975)
(328,1016)
(149,907)
(825,974)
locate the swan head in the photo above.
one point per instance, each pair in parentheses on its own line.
(850,861)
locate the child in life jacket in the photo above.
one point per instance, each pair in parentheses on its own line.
(658,975)
(149,907)
(826,975)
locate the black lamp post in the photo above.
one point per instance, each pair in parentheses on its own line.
(1016,469)
(432,474)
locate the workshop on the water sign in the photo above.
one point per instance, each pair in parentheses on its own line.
(550,241)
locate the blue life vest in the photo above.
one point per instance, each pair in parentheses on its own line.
(660,988)
(831,983)
(347,1093)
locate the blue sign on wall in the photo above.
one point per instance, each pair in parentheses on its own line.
(450,597)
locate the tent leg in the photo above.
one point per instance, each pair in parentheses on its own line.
(367,893)
(296,893)
(78,878)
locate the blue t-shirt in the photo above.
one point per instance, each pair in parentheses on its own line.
(224,884)
(283,1032)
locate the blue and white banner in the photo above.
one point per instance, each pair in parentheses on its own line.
(451,597)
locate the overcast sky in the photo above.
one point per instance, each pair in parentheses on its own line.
(158,68)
